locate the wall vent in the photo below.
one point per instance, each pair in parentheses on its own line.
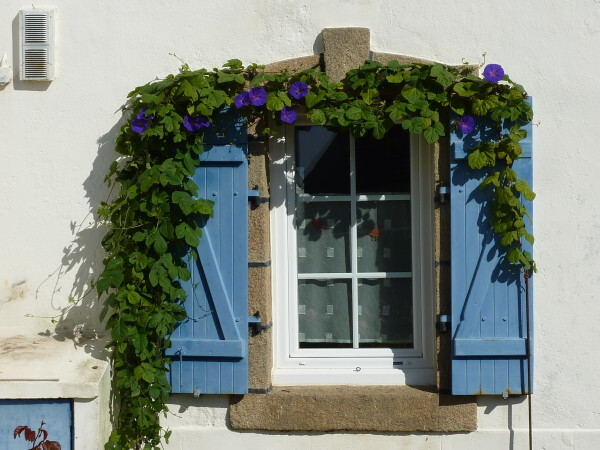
(36,27)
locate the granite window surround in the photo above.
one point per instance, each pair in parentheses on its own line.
(348,408)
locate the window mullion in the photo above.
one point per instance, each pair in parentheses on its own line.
(353,246)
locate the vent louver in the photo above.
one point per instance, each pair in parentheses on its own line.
(37,44)
(36,28)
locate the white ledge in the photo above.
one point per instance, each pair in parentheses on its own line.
(45,367)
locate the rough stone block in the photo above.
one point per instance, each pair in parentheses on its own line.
(259,248)
(385,58)
(345,49)
(353,408)
(259,292)
(293,65)
(260,352)
(258,168)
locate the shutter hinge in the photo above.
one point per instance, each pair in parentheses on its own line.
(255,322)
(255,199)
(443,195)
(443,320)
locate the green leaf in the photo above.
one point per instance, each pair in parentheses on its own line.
(517,133)
(514,255)
(171,122)
(354,113)
(411,93)
(317,116)
(139,236)
(381,127)
(397,111)
(109,279)
(160,245)
(184,274)
(224,77)
(274,103)
(284,98)
(482,156)
(508,238)
(152,99)
(153,277)
(312,99)
(431,135)
(154,394)
(492,179)
(190,164)
(234,64)
(188,90)
(519,223)
(481,107)
(416,124)
(523,188)
(191,235)
(369,95)
(442,75)
(457,104)
(396,78)
(204,206)
(133,297)
(184,200)
(478,107)
(216,98)
(464,89)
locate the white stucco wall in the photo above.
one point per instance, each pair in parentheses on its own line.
(55,146)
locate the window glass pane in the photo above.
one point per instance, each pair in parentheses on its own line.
(322,161)
(324,318)
(385,312)
(383,166)
(323,230)
(384,236)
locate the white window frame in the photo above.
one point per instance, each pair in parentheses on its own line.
(294,366)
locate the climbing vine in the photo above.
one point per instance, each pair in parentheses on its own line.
(153,219)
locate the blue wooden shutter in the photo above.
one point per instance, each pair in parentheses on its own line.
(209,351)
(489,332)
(57,415)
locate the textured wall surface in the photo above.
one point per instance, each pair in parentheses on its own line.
(56,143)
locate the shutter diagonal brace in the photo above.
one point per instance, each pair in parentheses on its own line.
(216,287)
(466,342)
(231,346)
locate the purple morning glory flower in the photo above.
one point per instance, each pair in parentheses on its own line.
(466,124)
(258,96)
(195,123)
(493,73)
(299,90)
(242,99)
(141,122)
(288,115)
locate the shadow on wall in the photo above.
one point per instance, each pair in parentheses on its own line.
(491,402)
(79,321)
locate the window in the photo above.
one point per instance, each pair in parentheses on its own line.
(352,260)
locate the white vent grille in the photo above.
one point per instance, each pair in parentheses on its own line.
(35,63)
(37,44)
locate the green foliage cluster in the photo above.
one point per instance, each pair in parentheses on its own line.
(153,220)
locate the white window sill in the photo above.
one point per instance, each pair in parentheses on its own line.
(361,377)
